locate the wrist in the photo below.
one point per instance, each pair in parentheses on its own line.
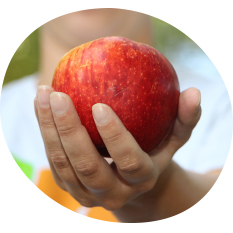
(175,191)
(148,201)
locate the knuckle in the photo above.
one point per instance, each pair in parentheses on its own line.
(86,202)
(145,187)
(129,165)
(86,167)
(100,188)
(112,205)
(59,160)
(70,181)
(66,129)
(69,178)
(46,123)
(113,137)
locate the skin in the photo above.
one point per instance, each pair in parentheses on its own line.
(150,184)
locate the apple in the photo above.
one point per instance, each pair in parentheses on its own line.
(134,79)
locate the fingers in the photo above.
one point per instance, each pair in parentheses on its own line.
(47,91)
(61,168)
(133,164)
(76,163)
(189,113)
(91,168)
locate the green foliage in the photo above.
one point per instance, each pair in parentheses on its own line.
(25,60)
(25,167)
(168,39)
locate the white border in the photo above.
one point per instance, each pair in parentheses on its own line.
(26,209)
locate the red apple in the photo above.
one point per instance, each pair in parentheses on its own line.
(134,79)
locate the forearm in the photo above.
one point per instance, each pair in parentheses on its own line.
(175,191)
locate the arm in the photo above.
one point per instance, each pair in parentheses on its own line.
(136,186)
(175,191)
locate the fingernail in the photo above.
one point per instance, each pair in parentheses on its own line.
(100,114)
(43,96)
(58,103)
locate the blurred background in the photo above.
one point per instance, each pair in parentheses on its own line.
(209,145)
(174,44)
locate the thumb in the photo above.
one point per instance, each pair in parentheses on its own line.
(189,113)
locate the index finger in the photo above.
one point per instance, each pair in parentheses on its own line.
(133,164)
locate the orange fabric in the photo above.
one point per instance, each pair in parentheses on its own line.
(47,185)
(102,214)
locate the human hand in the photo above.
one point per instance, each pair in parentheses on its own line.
(78,167)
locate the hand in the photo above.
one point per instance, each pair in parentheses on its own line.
(76,164)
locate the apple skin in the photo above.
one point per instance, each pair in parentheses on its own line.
(134,79)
